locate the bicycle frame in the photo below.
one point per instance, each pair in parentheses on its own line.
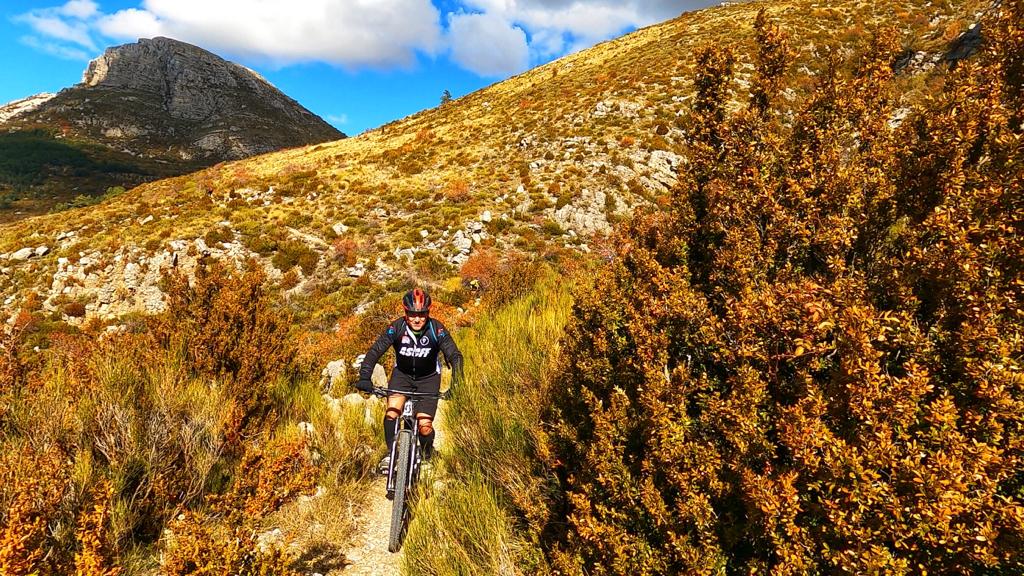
(407,421)
(407,445)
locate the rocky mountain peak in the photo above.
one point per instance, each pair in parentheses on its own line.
(170,101)
(191,82)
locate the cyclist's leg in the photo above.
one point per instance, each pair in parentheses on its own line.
(425,415)
(399,381)
(391,414)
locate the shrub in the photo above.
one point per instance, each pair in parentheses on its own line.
(218,234)
(809,361)
(74,309)
(291,253)
(346,249)
(456,190)
(228,328)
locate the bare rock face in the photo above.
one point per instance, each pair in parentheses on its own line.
(161,98)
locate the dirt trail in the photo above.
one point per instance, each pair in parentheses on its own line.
(368,552)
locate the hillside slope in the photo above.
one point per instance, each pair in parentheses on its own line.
(540,162)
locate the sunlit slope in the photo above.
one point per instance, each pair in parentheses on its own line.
(539,162)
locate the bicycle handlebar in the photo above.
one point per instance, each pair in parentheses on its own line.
(382,392)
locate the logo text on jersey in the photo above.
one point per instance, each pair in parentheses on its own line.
(414,352)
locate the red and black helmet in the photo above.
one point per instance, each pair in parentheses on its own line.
(416,301)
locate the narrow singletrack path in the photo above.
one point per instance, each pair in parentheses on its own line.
(368,552)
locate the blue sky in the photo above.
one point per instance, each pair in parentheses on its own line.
(356,63)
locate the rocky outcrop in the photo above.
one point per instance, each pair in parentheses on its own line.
(165,99)
(12,109)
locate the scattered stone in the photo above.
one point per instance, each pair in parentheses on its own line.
(380,377)
(270,541)
(23,254)
(146,220)
(339,228)
(306,429)
(333,374)
(353,399)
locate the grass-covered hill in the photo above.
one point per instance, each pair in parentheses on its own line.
(799,351)
(553,155)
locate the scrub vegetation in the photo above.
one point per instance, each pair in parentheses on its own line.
(799,352)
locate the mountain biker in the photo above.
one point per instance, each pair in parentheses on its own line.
(417,338)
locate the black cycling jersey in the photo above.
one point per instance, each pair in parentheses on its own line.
(416,355)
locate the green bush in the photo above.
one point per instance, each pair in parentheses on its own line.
(291,253)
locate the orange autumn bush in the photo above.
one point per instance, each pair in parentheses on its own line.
(229,329)
(108,437)
(810,361)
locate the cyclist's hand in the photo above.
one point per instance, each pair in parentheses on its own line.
(364,386)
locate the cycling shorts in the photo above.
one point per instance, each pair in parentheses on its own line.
(430,384)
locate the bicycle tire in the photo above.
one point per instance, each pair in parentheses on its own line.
(401,478)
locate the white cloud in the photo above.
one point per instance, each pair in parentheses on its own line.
(337,119)
(130,24)
(557,27)
(351,33)
(80,9)
(488,37)
(58,50)
(487,44)
(48,24)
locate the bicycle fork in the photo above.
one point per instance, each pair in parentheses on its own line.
(409,419)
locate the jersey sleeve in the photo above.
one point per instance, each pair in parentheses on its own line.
(384,341)
(452,355)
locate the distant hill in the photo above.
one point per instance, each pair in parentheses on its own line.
(143,111)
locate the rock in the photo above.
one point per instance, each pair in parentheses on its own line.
(424,233)
(25,105)
(270,541)
(306,429)
(380,377)
(23,254)
(353,399)
(146,220)
(333,374)
(586,213)
(477,238)
(201,246)
(486,216)
(339,228)
(461,243)
(132,276)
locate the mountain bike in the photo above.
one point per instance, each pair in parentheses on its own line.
(405,462)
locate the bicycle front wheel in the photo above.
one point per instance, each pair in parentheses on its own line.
(401,478)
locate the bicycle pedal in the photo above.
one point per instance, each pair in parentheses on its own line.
(390,495)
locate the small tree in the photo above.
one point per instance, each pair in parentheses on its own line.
(446,97)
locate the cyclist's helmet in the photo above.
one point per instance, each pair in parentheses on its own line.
(416,301)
